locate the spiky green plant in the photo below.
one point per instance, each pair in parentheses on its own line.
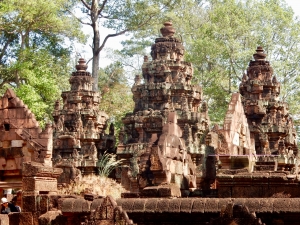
(107,164)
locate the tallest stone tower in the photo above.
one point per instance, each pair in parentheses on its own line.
(163,140)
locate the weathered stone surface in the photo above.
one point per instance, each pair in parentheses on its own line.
(169,191)
(150,191)
(20,218)
(199,205)
(139,205)
(151,205)
(269,119)
(186,205)
(165,138)
(4,220)
(162,205)
(17,142)
(79,139)
(52,217)
(174,205)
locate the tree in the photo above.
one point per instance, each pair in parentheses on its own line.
(33,51)
(121,17)
(116,94)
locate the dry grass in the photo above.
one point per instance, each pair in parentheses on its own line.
(97,185)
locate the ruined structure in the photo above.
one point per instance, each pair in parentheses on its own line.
(275,167)
(79,128)
(235,148)
(163,139)
(21,140)
(269,119)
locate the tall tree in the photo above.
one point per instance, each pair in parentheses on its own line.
(121,17)
(33,51)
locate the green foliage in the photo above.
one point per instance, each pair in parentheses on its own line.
(116,94)
(42,81)
(34,54)
(108,163)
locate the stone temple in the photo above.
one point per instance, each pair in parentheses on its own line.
(166,131)
(177,167)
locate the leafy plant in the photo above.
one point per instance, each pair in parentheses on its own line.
(107,164)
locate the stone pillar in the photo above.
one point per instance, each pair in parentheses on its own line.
(39,183)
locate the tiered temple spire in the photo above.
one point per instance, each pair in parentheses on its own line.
(155,153)
(79,134)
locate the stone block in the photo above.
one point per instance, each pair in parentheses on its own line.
(253,204)
(17,143)
(67,205)
(95,203)
(6,144)
(281,205)
(199,205)
(174,205)
(151,205)
(126,204)
(186,205)
(20,113)
(169,191)
(29,204)
(106,222)
(12,113)
(223,202)
(77,205)
(4,220)
(212,205)
(139,205)
(4,103)
(86,206)
(25,218)
(172,166)
(52,217)
(39,184)
(178,180)
(178,167)
(294,205)
(33,169)
(266,205)
(150,191)
(162,205)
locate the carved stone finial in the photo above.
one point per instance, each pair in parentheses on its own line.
(259,55)
(81,65)
(167,30)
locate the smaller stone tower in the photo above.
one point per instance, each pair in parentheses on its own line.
(269,120)
(79,129)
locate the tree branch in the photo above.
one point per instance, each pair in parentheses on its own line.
(102,7)
(120,33)
(109,36)
(80,21)
(89,60)
(86,5)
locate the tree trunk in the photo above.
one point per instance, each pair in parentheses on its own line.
(96,44)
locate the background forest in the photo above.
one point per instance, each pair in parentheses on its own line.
(38,50)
